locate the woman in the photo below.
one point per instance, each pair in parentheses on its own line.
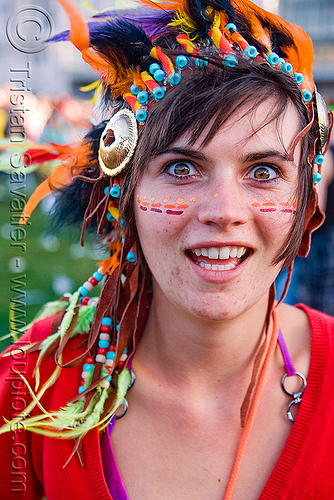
(202,184)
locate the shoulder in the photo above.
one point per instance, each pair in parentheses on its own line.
(319,321)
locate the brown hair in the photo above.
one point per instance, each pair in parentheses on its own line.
(213,93)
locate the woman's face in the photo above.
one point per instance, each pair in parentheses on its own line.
(212,219)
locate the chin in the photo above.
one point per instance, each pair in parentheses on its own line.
(216,309)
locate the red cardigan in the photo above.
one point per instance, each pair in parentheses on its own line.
(32,465)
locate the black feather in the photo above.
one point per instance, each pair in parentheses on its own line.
(123,38)
(71,201)
(196,10)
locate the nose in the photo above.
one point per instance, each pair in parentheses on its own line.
(224,205)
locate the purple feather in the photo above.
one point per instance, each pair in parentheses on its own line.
(153,22)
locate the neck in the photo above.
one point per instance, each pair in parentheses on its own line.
(186,349)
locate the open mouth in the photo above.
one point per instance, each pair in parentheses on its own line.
(219,258)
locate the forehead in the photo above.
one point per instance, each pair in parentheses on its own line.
(253,126)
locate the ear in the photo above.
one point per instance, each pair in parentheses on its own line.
(314,217)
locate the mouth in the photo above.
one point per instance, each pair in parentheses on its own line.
(222,258)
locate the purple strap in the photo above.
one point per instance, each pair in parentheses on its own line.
(111,472)
(290,369)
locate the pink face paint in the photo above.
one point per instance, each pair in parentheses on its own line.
(166,205)
(277,204)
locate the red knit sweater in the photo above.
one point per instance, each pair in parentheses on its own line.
(32,465)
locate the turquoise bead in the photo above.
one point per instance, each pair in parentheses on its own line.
(134,89)
(273,59)
(110,218)
(201,63)
(141,115)
(121,223)
(131,257)
(174,78)
(251,51)
(307,96)
(81,389)
(153,68)
(83,291)
(231,27)
(158,93)
(87,367)
(319,159)
(98,276)
(298,77)
(104,344)
(287,68)
(111,355)
(106,321)
(231,61)
(142,97)
(317,177)
(159,75)
(115,191)
(181,61)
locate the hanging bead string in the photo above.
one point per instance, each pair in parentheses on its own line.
(106,354)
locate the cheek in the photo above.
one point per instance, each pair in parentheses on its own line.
(172,206)
(274,204)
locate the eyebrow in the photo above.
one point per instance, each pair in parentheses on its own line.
(271,153)
(192,153)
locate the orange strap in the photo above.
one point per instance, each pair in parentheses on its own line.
(253,411)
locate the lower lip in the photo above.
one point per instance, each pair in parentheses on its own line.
(218,276)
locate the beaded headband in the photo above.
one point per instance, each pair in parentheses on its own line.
(200,32)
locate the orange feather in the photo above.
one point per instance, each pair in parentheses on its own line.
(299,53)
(60,177)
(79,33)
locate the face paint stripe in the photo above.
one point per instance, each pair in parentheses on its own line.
(267,209)
(143,208)
(156,210)
(171,212)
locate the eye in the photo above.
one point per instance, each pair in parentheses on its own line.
(181,169)
(263,173)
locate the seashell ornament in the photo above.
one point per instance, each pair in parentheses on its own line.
(118,142)
(322,119)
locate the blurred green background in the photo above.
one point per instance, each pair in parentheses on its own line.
(50,266)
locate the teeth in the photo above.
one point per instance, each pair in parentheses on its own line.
(241,251)
(216,267)
(213,253)
(221,253)
(224,253)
